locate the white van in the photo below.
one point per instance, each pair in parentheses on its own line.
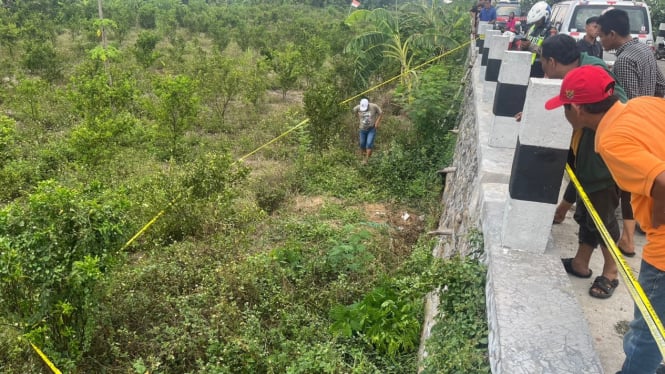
(569,17)
(660,42)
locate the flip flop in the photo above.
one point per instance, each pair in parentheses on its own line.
(605,286)
(627,254)
(568,265)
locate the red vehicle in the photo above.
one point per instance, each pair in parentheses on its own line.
(503,10)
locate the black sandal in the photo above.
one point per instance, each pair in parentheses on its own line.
(605,285)
(568,265)
(627,254)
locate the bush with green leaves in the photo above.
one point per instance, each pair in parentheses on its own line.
(57,241)
(145,48)
(8,134)
(435,102)
(351,255)
(334,173)
(382,319)
(147,15)
(176,106)
(98,139)
(322,105)
(94,93)
(458,340)
(42,58)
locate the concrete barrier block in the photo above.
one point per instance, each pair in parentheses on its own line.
(504,132)
(494,164)
(498,46)
(493,197)
(515,68)
(488,35)
(527,225)
(533,328)
(488,92)
(512,84)
(482,28)
(545,128)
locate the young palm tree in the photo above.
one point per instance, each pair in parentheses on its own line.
(404,38)
(380,45)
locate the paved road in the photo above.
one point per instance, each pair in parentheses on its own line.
(608,318)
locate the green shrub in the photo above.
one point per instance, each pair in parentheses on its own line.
(395,175)
(434,107)
(145,48)
(350,255)
(458,342)
(98,139)
(325,113)
(58,240)
(383,319)
(148,16)
(333,173)
(270,196)
(42,58)
(8,148)
(197,197)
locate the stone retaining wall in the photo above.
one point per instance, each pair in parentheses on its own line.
(533,329)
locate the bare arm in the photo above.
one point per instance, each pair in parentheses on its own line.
(378,120)
(658,195)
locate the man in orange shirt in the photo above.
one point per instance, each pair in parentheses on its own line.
(631,140)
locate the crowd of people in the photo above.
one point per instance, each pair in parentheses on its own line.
(617,151)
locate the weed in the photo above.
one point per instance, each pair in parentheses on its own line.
(458,342)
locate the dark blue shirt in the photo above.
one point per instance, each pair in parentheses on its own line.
(488,14)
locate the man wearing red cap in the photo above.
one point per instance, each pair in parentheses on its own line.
(630,139)
(559,57)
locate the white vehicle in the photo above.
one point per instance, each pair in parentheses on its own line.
(569,17)
(660,42)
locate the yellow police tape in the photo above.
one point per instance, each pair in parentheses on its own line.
(46,360)
(634,288)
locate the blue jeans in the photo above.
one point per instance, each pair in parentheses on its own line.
(367,138)
(642,354)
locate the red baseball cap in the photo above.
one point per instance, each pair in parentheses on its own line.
(586,84)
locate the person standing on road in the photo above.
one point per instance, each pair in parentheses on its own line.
(370,116)
(629,138)
(539,19)
(559,57)
(488,13)
(588,43)
(637,72)
(475,11)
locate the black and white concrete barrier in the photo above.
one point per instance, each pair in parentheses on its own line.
(485,50)
(482,27)
(537,170)
(498,44)
(509,96)
(489,86)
